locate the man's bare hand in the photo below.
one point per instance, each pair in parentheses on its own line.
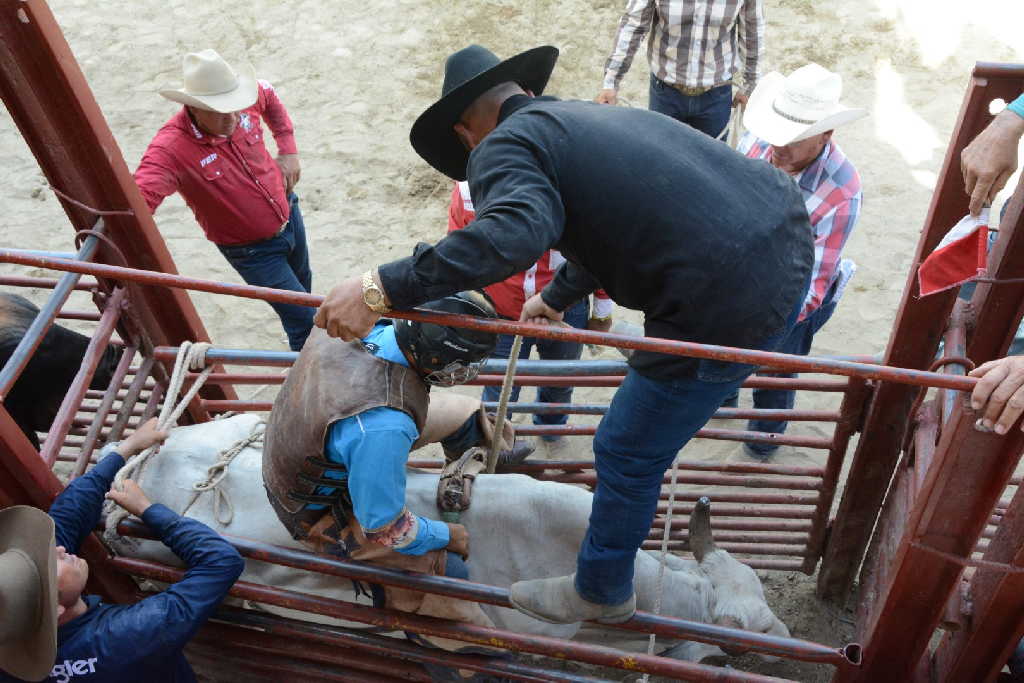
(344,314)
(991,158)
(141,439)
(130,496)
(740,99)
(536,311)
(999,392)
(607,96)
(458,540)
(290,169)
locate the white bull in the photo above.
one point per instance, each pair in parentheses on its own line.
(519,528)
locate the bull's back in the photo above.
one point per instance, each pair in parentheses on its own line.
(42,385)
(16,314)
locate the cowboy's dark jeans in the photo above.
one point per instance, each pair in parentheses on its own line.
(798,342)
(281,262)
(708,113)
(548,349)
(647,424)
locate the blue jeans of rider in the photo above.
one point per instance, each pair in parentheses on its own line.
(548,349)
(708,113)
(646,425)
(281,262)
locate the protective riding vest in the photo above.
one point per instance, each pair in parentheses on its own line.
(332,380)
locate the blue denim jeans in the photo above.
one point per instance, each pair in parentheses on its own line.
(708,113)
(797,342)
(646,425)
(548,349)
(281,262)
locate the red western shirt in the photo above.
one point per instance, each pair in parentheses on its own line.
(232,184)
(510,295)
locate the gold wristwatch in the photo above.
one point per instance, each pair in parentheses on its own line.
(373,296)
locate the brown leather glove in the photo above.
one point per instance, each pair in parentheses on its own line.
(458,541)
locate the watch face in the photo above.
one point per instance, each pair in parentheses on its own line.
(373,297)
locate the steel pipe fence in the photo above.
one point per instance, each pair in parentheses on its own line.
(779,361)
(765,537)
(102,411)
(354,639)
(443,628)
(80,385)
(756,530)
(791,648)
(83,285)
(33,336)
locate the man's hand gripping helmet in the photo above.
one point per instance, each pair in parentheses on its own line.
(444,355)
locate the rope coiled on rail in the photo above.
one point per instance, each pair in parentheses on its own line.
(216,472)
(191,356)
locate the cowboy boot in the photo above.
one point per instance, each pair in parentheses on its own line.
(557,602)
(510,457)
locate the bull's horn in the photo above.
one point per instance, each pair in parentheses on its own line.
(701,542)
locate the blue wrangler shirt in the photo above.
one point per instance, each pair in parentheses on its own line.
(144,641)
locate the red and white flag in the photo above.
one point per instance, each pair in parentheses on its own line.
(960,257)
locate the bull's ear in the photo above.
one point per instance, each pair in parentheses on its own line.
(778,628)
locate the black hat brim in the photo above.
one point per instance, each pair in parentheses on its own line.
(433,135)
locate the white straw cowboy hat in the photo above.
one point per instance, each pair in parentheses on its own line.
(211,84)
(787,109)
(28,593)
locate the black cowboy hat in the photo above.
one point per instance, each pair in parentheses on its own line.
(469,73)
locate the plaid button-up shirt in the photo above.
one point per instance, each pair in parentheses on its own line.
(694,43)
(830,186)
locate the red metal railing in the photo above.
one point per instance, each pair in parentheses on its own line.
(779,361)
(791,648)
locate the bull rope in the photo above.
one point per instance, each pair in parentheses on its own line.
(191,356)
(506,391)
(652,639)
(216,472)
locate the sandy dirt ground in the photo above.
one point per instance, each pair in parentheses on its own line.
(354,76)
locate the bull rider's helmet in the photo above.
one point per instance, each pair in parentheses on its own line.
(445,355)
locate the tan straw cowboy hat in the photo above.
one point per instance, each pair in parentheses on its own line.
(28,593)
(787,109)
(211,84)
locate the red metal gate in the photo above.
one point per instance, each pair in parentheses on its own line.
(946,493)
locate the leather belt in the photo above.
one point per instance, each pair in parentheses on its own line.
(265,239)
(694,91)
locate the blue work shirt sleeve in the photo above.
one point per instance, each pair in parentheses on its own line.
(1017,106)
(374,447)
(76,511)
(168,620)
